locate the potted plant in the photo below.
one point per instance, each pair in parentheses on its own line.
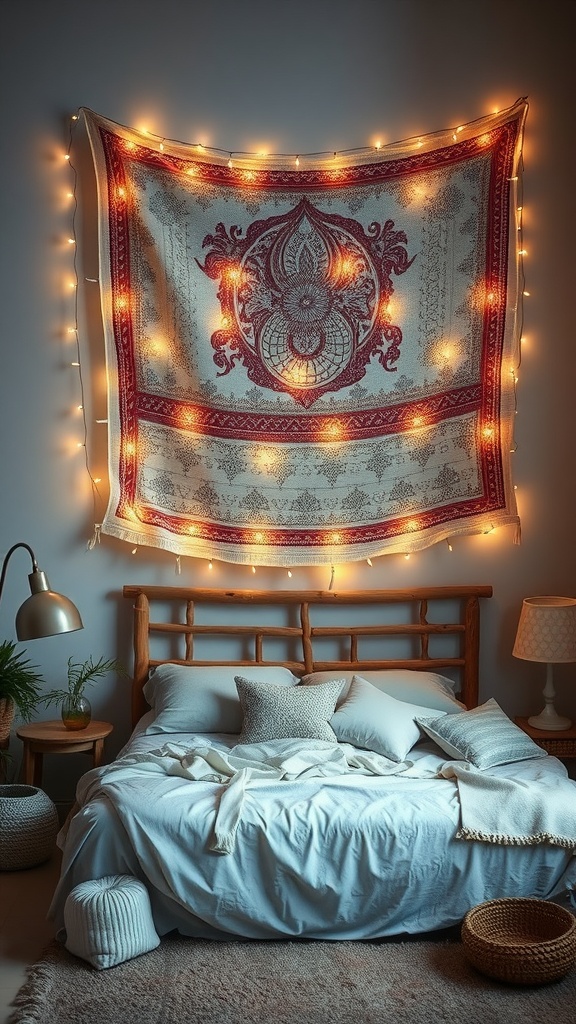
(76,710)
(19,687)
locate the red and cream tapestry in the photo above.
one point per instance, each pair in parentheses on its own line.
(309,361)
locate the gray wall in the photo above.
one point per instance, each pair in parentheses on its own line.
(297,76)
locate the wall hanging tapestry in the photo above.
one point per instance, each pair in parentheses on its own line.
(309,361)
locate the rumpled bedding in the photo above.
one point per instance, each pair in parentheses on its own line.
(287,759)
(492,808)
(315,840)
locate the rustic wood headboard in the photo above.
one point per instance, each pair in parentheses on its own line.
(416,616)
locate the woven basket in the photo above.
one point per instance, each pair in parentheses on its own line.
(28,827)
(521,941)
(7,709)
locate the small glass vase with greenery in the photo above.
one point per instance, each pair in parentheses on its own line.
(75,706)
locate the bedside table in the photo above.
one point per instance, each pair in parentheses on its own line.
(52,738)
(559,742)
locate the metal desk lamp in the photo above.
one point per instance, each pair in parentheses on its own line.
(44,613)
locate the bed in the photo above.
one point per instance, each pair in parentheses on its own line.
(316,764)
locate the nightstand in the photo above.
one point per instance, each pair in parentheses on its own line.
(52,738)
(559,742)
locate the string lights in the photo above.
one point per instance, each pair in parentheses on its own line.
(73,332)
(232,159)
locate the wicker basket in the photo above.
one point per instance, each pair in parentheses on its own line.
(7,709)
(28,827)
(521,941)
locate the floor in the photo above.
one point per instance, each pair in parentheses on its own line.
(24,931)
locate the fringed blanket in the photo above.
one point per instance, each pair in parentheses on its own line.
(514,812)
(309,361)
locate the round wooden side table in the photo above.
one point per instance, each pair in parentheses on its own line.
(41,738)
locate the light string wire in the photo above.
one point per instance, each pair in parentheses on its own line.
(96,494)
(522,293)
(416,140)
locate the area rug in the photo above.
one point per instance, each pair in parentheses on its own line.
(186,980)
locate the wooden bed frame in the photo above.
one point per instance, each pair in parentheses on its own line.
(456,608)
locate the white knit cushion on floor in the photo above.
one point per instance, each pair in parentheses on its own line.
(109,920)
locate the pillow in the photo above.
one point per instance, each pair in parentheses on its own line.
(274,712)
(374,720)
(426,688)
(485,736)
(196,698)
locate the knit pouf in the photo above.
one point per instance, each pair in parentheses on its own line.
(109,920)
(28,827)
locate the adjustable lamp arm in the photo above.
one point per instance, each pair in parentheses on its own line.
(45,612)
(20,544)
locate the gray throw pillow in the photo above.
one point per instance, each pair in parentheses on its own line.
(274,712)
(484,736)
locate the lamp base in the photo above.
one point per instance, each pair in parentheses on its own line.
(549,720)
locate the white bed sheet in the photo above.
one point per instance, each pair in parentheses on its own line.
(354,857)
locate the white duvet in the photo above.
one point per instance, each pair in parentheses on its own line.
(316,840)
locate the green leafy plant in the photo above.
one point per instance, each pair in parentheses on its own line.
(80,675)
(19,680)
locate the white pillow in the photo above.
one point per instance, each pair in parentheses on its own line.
(196,698)
(373,720)
(426,688)
(484,736)
(276,712)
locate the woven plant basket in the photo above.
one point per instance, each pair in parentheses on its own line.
(28,827)
(7,709)
(520,941)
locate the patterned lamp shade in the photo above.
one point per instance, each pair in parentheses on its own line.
(547,630)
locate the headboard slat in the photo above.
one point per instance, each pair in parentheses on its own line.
(456,609)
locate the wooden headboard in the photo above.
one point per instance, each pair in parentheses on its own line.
(408,616)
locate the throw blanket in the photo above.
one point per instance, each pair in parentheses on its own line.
(309,363)
(513,812)
(494,809)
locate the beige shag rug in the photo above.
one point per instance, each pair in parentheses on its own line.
(186,981)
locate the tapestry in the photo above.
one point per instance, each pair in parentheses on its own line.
(310,360)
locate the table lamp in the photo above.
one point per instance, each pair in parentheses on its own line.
(547,633)
(44,613)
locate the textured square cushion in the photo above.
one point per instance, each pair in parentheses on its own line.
(373,720)
(426,688)
(194,698)
(273,712)
(109,920)
(484,736)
